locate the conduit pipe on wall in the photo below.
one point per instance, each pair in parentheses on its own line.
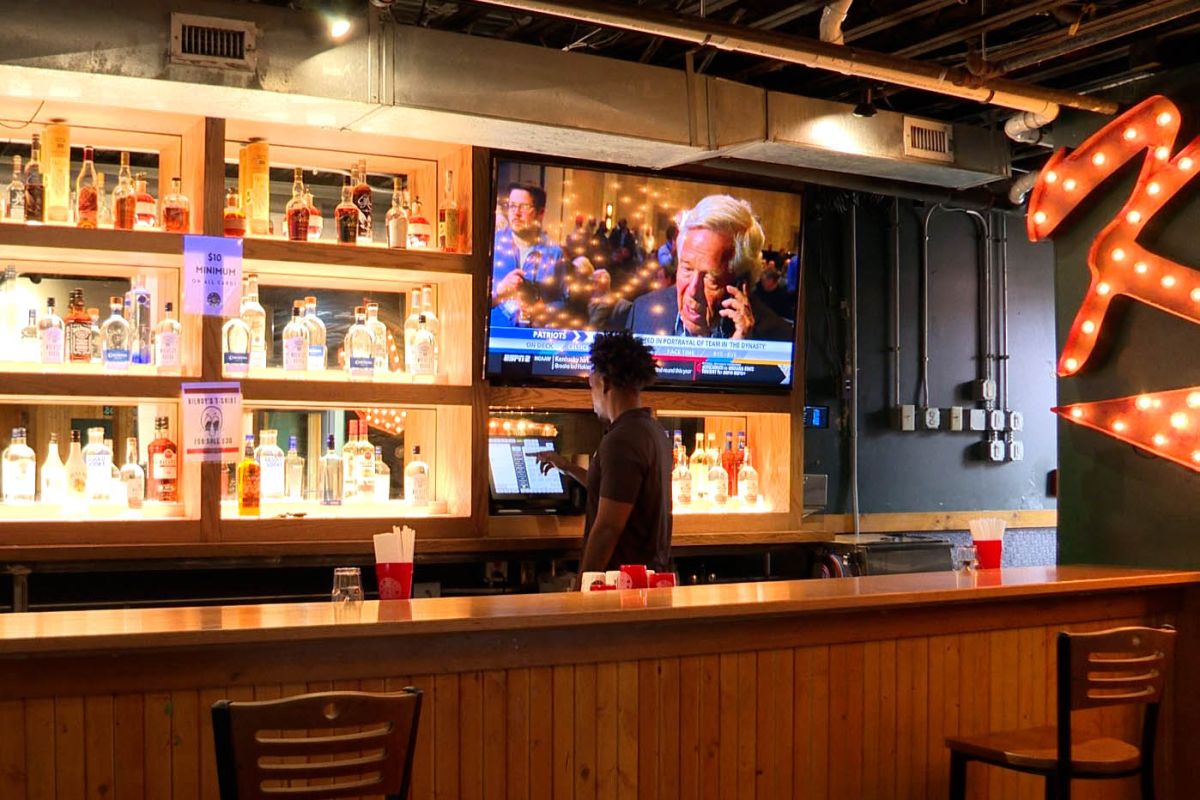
(831,21)
(950,81)
(854,505)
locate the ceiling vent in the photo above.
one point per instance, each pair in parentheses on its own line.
(927,139)
(213,42)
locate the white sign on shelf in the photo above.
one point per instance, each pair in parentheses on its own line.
(212,275)
(212,421)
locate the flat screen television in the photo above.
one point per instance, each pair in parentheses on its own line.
(705,274)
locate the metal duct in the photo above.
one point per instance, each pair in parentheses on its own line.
(1026,127)
(1021,186)
(831,21)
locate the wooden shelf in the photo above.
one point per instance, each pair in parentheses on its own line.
(15,536)
(112,388)
(660,400)
(91,247)
(261,391)
(328,254)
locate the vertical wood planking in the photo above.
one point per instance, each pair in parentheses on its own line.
(495,726)
(647,730)
(944,715)
(846,720)
(129,737)
(157,762)
(69,754)
(727,741)
(669,733)
(185,745)
(747,723)
(585,732)
(39,760)
(541,732)
(12,749)
(563,743)
(873,730)
(1004,714)
(470,736)
(209,790)
(627,730)
(781,737)
(98,746)
(608,726)
(446,746)
(710,725)
(689,728)
(518,735)
(811,744)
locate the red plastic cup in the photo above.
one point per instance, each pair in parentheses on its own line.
(990,552)
(395,581)
(633,576)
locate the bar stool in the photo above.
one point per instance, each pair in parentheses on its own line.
(253,748)
(1122,666)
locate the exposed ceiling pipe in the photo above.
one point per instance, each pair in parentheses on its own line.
(1021,186)
(831,21)
(953,82)
(1026,126)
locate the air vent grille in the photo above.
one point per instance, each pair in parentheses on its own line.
(198,40)
(926,139)
(212,42)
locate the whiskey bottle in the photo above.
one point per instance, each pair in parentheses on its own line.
(54,474)
(420,232)
(235,347)
(364,202)
(360,348)
(133,477)
(296,212)
(316,223)
(295,341)
(234,219)
(397,218)
(87,193)
(379,333)
(97,461)
(162,458)
(177,209)
(35,188)
(145,207)
(345,216)
(167,334)
(293,472)
(139,317)
(116,336)
(383,478)
(249,484)
(316,335)
(271,465)
(416,480)
(329,476)
(76,469)
(14,208)
(748,480)
(448,218)
(698,466)
(18,476)
(124,197)
(424,347)
(256,319)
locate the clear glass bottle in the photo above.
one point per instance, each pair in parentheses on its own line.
(718,482)
(162,459)
(146,207)
(271,465)
(350,462)
(249,482)
(681,476)
(448,218)
(19,471)
(256,318)
(140,322)
(97,459)
(416,480)
(379,331)
(124,197)
(410,328)
(76,469)
(167,335)
(87,192)
(115,490)
(97,345)
(360,348)
(177,209)
(713,453)
(104,208)
(51,336)
(35,184)
(424,346)
(429,309)
(235,347)
(54,474)
(295,341)
(11,319)
(14,209)
(748,480)
(27,346)
(316,335)
(234,218)
(397,218)
(364,202)
(116,338)
(293,472)
(345,216)
(329,477)
(296,212)
(316,222)
(698,466)
(365,464)
(383,478)
(133,477)
(420,232)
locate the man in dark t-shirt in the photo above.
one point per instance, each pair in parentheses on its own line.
(629,481)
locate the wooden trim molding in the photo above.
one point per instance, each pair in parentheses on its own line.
(927,521)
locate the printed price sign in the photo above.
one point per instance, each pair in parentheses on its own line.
(212,275)
(212,421)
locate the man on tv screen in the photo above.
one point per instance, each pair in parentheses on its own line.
(719,261)
(528,270)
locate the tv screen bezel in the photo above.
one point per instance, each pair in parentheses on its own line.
(563,382)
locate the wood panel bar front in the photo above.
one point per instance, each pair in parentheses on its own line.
(822,689)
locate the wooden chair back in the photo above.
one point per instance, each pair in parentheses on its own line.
(267,749)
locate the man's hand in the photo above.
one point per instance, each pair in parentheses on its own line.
(548,460)
(508,286)
(737,308)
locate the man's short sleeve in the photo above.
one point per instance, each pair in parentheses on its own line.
(622,472)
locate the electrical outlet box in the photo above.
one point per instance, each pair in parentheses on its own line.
(985,390)
(1016,421)
(995,421)
(995,450)
(956,418)
(978,419)
(931,418)
(905,418)
(1016,451)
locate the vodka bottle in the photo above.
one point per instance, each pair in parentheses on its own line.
(271,466)
(141,312)
(379,333)
(10,311)
(448,222)
(133,478)
(360,348)
(87,193)
(296,212)
(330,475)
(349,462)
(35,188)
(76,469)
(316,335)
(416,480)
(116,336)
(235,347)
(124,197)
(431,319)
(383,477)
(54,474)
(748,480)
(97,344)
(424,348)
(681,476)
(167,334)
(177,209)
(256,318)
(162,457)
(397,218)
(97,459)
(345,216)
(712,453)
(410,328)
(249,483)
(28,348)
(19,470)
(293,472)
(14,210)
(365,464)
(698,466)
(718,482)
(50,336)
(115,489)
(295,341)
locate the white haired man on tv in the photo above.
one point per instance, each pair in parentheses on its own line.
(719,255)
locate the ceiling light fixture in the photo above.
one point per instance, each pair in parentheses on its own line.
(867,107)
(338,27)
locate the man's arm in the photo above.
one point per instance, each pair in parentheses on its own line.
(549,460)
(611,516)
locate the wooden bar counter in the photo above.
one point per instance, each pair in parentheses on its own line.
(825,689)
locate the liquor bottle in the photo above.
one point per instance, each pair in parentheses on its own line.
(431,319)
(383,478)
(76,469)
(316,335)
(740,452)
(698,466)
(28,349)
(10,306)
(379,332)
(316,223)
(747,480)
(124,197)
(35,188)
(177,209)
(162,458)
(397,218)
(249,484)
(420,232)
(54,474)
(19,471)
(87,193)
(296,211)
(14,209)
(256,318)
(97,461)
(271,465)
(78,330)
(295,341)
(293,472)
(235,347)
(717,482)
(329,476)
(145,207)
(364,202)
(166,341)
(234,218)
(116,337)
(365,464)
(345,216)
(56,170)
(360,348)
(681,476)
(424,346)
(140,313)
(410,328)
(448,221)
(349,462)
(104,208)
(97,348)
(712,452)
(416,480)
(115,490)
(729,464)
(133,477)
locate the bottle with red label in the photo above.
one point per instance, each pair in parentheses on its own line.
(145,206)
(176,209)
(345,216)
(162,480)
(296,211)
(234,217)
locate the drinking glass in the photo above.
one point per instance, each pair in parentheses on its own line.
(962,558)
(347,585)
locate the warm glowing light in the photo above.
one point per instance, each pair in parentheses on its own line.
(1130,134)
(1195,295)
(1118,426)
(1159,439)
(1077,413)
(1153,188)
(1168,281)
(1162,153)
(1141,268)
(1069,184)
(1098,159)
(1039,217)
(1133,217)
(1088,327)
(1118,254)
(1052,176)
(1143,402)
(338,27)
(1164,118)
(1196,456)
(1103,289)
(1185,163)
(1072,364)
(1193,399)
(1179,420)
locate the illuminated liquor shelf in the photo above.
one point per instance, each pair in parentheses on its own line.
(83,512)
(78,382)
(349,509)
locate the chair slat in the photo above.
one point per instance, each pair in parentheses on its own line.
(320,769)
(321,745)
(327,791)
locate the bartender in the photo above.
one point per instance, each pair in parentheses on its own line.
(629,481)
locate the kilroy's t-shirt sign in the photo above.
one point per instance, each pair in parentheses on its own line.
(1165,423)
(212,421)
(212,275)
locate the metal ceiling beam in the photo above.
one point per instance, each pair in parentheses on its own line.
(991,23)
(890,21)
(789,14)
